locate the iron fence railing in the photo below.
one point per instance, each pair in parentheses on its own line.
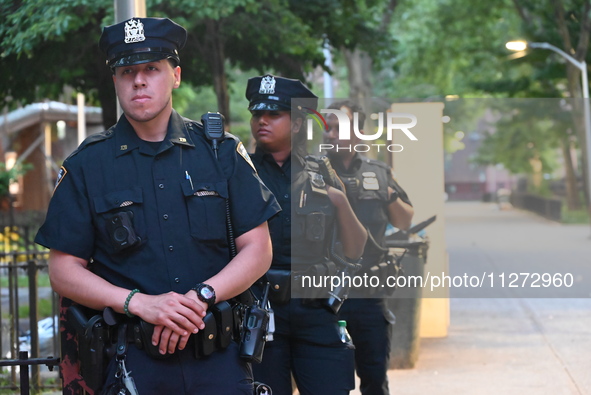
(23,266)
(23,362)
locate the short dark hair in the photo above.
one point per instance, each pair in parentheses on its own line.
(354,107)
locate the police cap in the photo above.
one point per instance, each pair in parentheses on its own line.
(142,40)
(275,93)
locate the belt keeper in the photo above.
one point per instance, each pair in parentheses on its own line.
(126,304)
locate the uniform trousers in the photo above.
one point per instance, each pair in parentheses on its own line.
(221,373)
(371,333)
(306,344)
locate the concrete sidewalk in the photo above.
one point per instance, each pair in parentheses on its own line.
(506,343)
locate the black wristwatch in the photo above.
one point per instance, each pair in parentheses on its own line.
(205,293)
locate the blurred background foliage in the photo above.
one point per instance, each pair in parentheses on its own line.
(422,50)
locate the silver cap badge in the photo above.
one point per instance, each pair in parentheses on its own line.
(134,31)
(267,85)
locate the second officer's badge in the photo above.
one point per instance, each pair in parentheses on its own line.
(370,181)
(134,31)
(267,85)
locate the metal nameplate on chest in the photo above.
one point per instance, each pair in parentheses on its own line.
(370,181)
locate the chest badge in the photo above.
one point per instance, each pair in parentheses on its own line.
(370,181)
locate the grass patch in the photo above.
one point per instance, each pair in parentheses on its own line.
(574,216)
(23,281)
(44,307)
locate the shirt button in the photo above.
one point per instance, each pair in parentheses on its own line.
(286,196)
(170,248)
(177,280)
(161,186)
(165,216)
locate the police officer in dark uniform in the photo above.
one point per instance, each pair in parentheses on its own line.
(377,200)
(306,341)
(137,219)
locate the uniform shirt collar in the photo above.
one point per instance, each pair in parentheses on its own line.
(260,157)
(177,133)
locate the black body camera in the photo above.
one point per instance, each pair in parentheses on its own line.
(315,226)
(121,232)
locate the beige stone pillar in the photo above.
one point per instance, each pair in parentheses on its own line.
(419,170)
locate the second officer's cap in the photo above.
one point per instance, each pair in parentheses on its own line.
(142,40)
(272,93)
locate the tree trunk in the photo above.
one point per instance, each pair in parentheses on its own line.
(216,60)
(106,92)
(359,65)
(574,77)
(573,200)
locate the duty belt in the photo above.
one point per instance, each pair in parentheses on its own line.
(222,325)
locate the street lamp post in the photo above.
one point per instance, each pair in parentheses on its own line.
(582,66)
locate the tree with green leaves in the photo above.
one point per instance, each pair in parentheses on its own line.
(48,45)
(357,30)
(457,47)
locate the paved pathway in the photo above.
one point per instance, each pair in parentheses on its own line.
(506,343)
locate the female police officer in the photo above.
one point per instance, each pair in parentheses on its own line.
(376,199)
(145,202)
(306,340)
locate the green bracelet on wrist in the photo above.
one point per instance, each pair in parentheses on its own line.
(126,304)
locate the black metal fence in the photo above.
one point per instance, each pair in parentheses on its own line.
(23,363)
(27,343)
(547,207)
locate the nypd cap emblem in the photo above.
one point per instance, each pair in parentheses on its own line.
(134,31)
(267,85)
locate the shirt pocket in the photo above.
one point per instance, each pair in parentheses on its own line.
(206,206)
(121,220)
(371,207)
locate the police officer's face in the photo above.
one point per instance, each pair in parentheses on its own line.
(272,129)
(331,136)
(145,90)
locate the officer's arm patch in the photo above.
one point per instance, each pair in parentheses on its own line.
(244,153)
(60,176)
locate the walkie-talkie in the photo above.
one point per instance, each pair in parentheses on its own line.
(254,330)
(213,125)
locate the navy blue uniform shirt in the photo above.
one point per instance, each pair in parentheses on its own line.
(278,179)
(292,249)
(176,193)
(367,181)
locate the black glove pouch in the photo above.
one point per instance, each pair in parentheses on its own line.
(205,339)
(280,280)
(146,331)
